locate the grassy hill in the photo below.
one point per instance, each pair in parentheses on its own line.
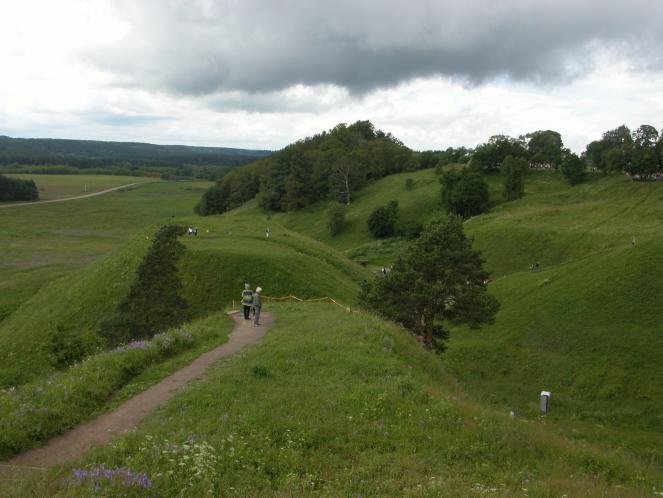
(42,243)
(354,408)
(345,404)
(228,251)
(415,205)
(586,326)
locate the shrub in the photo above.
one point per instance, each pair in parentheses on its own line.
(336,218)
(464,192)
(412,230)
(573,169)
(13,189)
(513,171)
(382,221)
(68,346)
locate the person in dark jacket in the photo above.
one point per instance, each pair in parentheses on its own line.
(247,301)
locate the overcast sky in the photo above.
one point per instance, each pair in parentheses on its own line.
(264,73)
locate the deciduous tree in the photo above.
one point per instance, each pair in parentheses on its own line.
(464,192)
(513,173)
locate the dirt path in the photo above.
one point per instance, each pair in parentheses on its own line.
(85,196)
(75,443)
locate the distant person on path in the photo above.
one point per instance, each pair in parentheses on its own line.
(267,232)
(257,303)
(247,301)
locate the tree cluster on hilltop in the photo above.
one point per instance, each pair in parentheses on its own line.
(639,152)
(331,165)
(541,149)
(14,189)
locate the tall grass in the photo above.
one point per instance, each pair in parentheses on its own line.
(41,409)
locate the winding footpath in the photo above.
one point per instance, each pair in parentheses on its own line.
(73,444)
(85,196)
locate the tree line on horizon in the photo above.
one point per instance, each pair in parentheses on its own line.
(60,156)
(335,164)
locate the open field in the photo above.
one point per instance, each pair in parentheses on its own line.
(61,186)
(41,243)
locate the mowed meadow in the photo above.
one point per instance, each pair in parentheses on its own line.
(53,187)
(42,242)
(339,403)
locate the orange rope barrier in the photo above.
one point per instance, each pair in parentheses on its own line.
(308,300)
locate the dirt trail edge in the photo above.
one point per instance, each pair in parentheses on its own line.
(64,199)
(76,442)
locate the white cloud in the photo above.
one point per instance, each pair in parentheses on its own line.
(179,72)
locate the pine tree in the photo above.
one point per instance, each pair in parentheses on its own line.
(154,302)
(438,280)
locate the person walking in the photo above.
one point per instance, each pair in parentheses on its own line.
(257,304)
(247,301)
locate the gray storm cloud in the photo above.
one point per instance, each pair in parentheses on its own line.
(259,46)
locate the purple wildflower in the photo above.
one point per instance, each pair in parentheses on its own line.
(115,477)
(133,345)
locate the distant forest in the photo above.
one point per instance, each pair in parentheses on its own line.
(336,163)
(57,156)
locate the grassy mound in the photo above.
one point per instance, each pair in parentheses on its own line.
(41,243)
(78,303)
(586,326)
(228,251)
(232,249)
(353,407)
(589,331)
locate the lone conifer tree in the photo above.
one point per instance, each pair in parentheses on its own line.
(154,303)
(439,279)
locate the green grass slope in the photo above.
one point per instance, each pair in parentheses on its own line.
(339,404)
(587,326)
(78,302)
(588,330)
(228,251)
(555,223)
(232,249)
(416,205)
(41,243)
